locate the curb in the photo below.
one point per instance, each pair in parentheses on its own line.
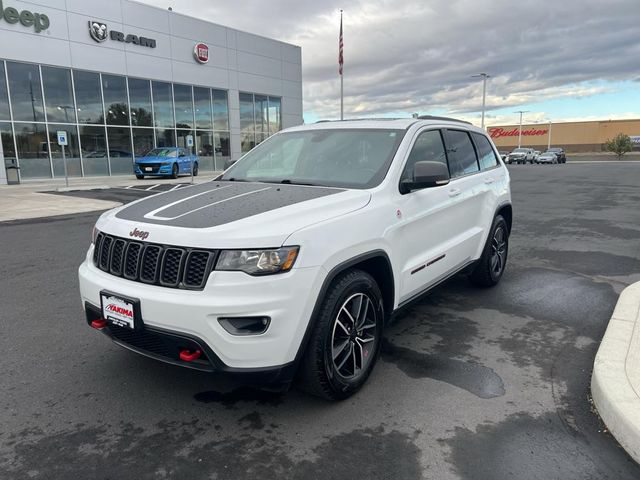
(82,188)
(615,384)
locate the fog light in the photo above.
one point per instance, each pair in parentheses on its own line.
(245,325)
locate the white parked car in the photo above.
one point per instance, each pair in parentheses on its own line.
(548,157)
(290,263)
(522,155)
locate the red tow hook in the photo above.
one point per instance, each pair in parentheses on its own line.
(99,324)
(187,356)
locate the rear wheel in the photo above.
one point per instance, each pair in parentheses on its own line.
(345,341)
(493,261)
(174,171)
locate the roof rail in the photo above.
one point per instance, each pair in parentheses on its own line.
(364,119)
(448,119)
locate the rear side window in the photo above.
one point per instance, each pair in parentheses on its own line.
(462,155)
(486,155)
(427,148)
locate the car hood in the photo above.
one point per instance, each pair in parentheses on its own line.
(230,214)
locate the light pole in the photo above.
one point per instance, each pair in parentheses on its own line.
(484,92)
(520,130)
(549,137)
(66,113)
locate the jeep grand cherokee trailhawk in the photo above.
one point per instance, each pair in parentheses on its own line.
(289,264)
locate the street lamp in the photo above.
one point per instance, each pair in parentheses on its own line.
(520,130)
(484,91)
(549,136)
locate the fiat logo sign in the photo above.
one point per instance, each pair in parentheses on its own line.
(201,52)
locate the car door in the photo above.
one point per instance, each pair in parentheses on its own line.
(425,233)
(183,160)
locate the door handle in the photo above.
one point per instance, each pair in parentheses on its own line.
(489,181)
(454,192)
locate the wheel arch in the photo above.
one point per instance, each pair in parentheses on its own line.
(377,264)
(506,211)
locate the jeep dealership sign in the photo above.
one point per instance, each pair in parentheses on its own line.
(39,21)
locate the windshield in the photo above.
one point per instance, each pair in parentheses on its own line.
(162,152)
(351,158)
(520,150)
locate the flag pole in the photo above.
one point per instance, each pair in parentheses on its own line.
(341,60)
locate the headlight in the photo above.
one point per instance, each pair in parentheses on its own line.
(164,164)
(258,262)
(94,234)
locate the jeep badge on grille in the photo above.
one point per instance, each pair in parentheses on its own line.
(142,235)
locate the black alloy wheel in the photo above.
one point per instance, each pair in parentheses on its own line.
(174,171)
(491,265)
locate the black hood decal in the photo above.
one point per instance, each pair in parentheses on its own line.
(216,203)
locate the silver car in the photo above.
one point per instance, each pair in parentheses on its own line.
(547,157)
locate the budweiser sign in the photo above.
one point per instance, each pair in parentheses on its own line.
(514,132)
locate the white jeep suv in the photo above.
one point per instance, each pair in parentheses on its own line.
(289,264)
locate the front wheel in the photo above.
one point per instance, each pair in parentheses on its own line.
(493,261)
(139,177)
(174,171)
(195,169)
(345,340)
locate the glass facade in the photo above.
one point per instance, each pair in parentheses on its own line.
(109,119)
(260,116)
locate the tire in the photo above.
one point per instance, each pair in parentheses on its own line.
(195,169)
(174,171)
(139,177)
(329,367)
(487,272)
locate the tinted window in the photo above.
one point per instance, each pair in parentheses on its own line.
(220,110)
(428,147)
(26,95)
(94,150)
(115,100)
(202,102)
(120,154)
(140,98)
(72,151)
(88,97)
(4,101)
(462,156)
(275,124)
(261,114)
(58,95)
(486,155)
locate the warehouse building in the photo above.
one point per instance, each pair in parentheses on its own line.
(122,77)
(574,137)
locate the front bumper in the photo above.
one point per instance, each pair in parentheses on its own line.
(141,169)
(288,299)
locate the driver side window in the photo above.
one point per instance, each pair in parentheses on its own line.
(428,147)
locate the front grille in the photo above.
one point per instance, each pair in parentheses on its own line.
(165,265)
(154,167)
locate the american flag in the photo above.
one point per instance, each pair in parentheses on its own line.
(340,48)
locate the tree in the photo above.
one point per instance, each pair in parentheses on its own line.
(620,144)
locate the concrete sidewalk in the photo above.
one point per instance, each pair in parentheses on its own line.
(615,385)
(27,200)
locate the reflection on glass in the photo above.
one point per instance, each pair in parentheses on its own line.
(4,99)
(184,106)
(58,95)
(94,151)
(140,102)
(246,113)
(204,150)
(162,104)
(115,99)
(142,141)
(33,150)
(202,102)
(222,149)
(165,137)
(72,152)
(8,148)
(220,110)
(26,96)
(247,141)
(120,155)
(182,138)
(275,118)
(88,97)
(262,115)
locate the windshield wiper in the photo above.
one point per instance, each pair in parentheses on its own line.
(287,181)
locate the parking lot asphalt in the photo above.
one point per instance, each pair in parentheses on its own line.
(472,383)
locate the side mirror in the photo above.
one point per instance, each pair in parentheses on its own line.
(426,175)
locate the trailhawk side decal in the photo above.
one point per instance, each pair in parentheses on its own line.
(217,203)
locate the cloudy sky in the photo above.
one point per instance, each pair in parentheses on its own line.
(561,60)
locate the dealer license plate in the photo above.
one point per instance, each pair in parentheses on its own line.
(148,169)
(118,311)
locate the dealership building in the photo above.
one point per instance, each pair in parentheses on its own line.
(574,137)
(122,77)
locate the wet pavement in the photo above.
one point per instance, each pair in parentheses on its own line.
(472,383)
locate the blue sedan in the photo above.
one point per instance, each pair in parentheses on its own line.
(166,162)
